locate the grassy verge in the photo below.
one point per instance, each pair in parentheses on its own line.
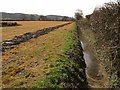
(68,68)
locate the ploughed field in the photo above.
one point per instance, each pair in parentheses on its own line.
(26,26)
(43,61)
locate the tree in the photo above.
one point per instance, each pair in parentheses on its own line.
(78,14)
(65,18)
(88,16)
(32,17)
(43,18)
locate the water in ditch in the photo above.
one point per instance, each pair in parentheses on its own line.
(96,75)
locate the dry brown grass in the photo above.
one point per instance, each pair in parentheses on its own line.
(33,58)
(27,26)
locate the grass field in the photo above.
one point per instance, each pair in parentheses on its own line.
(26,26)
(45,62)
(30,58)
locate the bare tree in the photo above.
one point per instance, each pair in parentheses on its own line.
(78,14)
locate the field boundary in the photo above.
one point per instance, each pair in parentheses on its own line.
(9,44)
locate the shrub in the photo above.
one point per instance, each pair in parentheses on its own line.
(106,28)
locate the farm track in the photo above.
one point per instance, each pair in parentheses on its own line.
(9,44)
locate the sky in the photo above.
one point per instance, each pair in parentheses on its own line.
(50,7)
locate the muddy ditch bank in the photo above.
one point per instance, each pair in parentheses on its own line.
(9,44)
(97,76)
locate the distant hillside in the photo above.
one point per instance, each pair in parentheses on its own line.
(21,16)
(55,17)
(18,16)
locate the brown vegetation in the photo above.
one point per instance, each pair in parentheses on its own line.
(105,24)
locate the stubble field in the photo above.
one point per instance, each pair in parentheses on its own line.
(45,61)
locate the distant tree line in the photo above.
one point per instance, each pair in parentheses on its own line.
(24,17)
(45,18)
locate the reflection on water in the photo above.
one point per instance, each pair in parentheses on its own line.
(96,75)
(92,63)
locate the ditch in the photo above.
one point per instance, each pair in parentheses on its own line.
(96,75)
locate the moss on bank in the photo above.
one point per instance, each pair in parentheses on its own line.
(67,70)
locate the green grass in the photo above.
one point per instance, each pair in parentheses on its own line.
(53,60)
(65,70)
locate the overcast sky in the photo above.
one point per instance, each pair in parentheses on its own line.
(50,7)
